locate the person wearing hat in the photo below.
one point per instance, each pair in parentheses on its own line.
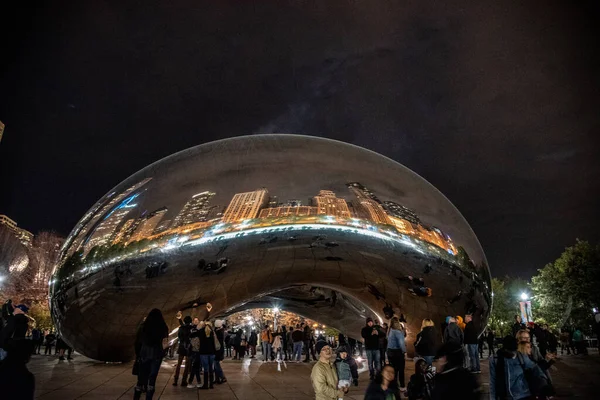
(507,374)
(343,368)
(454,381)
(15,328)
(324,376)
(220,354)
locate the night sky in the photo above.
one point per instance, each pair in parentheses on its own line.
(497,105)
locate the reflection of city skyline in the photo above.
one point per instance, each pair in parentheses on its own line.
(198,215)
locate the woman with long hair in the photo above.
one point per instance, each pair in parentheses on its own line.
(396,350)
(384,386)
(208,344)
(427,341)
(149,350)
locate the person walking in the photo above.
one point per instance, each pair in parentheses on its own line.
(208,349)
(471,343)
(277,344)
(183,350)
(384,386)
(266,340)
(397,351)
(371,334)
(578,341)
(220,353)
(427,341)
(324,375)
(149,349)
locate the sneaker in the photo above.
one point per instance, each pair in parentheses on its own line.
(403,389)
(191,386)
(198,385)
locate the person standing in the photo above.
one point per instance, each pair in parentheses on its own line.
(7,311)
(252,342)
(491,337)
(220,353)
(427,341)
(383,343)
(306,340)
(36,334)
(149,350)
(16,327)
(371,334)
(266,340)
(277,344)
(183,350)
(578,342)
(397,351)
(471,343)
(297,340)
(518,325)
(208,345)
(453,334)
(49,342)
(284,343)
(290,343)
(324,375)
(16,381)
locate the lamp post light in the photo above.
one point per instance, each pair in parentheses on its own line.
(524,296)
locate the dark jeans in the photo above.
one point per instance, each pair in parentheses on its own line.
(374,361)
(208,361)
(490,348)
(48,349)
(196,367)
(473,357)
(186,370)
(218,370)
(147,377)
(382,357)
(397,361)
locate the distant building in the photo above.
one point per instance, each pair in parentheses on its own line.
(293,203)
(285,211)
(107,229)
(399,211)
(246,205)
(327,203)
(147,224)
(370,209)
(361,192)
(24,236)
(273,202)
(195,210)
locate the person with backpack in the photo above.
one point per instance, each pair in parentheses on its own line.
(514,376)
(209,344)
(183,350)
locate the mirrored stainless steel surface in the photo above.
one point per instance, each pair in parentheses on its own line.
(325,229)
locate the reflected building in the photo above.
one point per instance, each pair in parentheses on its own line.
(125,231)
(162,226)
(286,211)
(361,192)
(397,210)
(107,229)
(195,210)
(327,203)
(246,205)
(147,224)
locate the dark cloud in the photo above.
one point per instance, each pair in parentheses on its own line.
(495,104)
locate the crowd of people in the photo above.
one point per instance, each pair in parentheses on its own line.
(447,359)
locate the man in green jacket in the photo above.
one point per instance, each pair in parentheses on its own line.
(324,376)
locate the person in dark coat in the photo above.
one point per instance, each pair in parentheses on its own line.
(149,348)
(16,327)
(427,341)
(16,382)
(454,381)
(471,343)
(383,386)
(371,334)
(183,350)
(207,354)
(491,337)
(252,342)
(518,325)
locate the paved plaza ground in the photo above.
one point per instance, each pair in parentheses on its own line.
(574,376)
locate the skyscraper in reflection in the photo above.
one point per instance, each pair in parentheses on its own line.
(106,230)
(195,210)
(125,231)
(367,205)
(147,224)
(327,203)
(361,191)
(399,211)
(246,205)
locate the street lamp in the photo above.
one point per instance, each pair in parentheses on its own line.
(276,310)
(524,296)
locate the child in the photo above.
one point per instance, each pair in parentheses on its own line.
(343,368)
(421,382)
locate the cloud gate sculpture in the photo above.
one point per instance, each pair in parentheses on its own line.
(324,229)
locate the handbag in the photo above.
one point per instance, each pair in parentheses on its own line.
(135,368)
(217,343)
